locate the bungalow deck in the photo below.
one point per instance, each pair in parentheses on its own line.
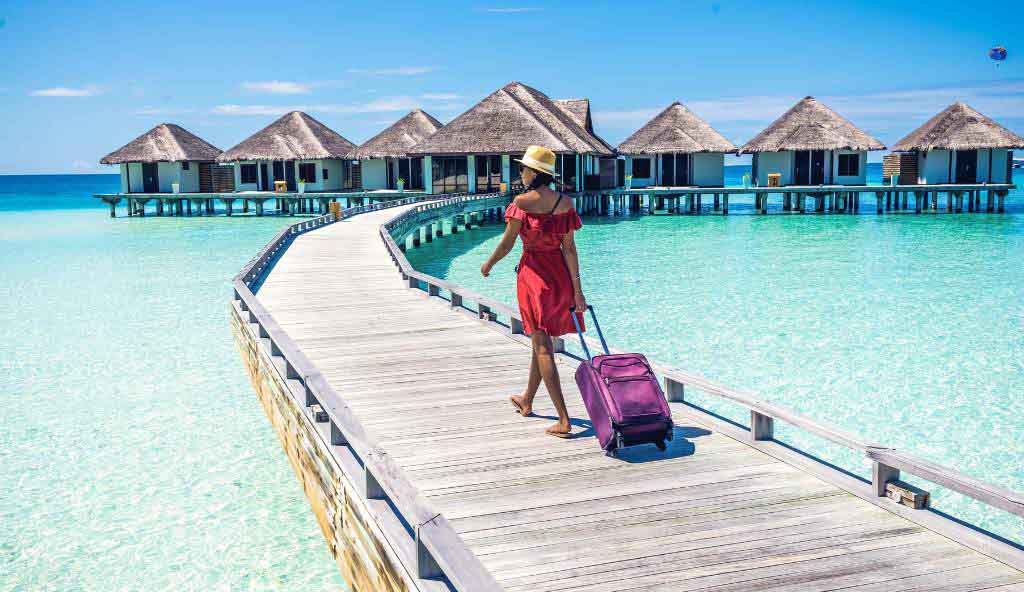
(387,388)
(657,200)
(205,204)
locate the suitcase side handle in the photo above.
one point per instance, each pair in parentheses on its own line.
(579,331)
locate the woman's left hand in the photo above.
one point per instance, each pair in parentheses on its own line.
(581,301)
(485,269)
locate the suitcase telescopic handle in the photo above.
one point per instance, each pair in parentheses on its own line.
(579,331)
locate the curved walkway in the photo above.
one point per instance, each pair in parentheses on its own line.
(430,384)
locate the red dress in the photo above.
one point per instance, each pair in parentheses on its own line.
(543,284)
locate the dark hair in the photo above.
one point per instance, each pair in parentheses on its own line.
(539,180)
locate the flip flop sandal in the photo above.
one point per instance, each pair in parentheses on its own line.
(519,409)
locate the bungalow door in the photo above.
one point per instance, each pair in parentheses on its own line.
(802,167)
(289,174)
(668,170)
(966,166)
(150,178)
(264,177)
(817,167)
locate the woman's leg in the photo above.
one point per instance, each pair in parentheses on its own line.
(545,359)
(525,401)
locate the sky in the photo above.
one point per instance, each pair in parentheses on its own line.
(83,78)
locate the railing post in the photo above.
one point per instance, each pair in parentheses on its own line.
(674,390)
(373,488)
(557,345)
(426,566)
(515,326)
(433,290)
(881,474)
(456,301)
(337,438)
(762,427)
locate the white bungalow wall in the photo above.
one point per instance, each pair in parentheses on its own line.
(939,166)
(167,173)
(375,173)
(774,162)
(709,169)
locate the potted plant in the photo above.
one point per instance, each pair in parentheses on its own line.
(401,184)
(302,186)
(629,181)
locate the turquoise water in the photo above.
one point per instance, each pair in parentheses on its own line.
(905,329)
(133,452)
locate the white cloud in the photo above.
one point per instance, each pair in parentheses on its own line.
(64,91)
(278,87)
(382,105)
(399,71)
(514,9)
(440,96)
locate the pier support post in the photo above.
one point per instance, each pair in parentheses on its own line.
(141,205)
(725,204)
(259,207)
(112,202)
(429,234)
(229,205)
(989,204)
(959,202)
(718,204)
(879,197)
(917,202)
(1001,195)
(159,206)
(245,206)
(949,202)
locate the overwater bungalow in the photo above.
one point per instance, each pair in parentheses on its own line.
(294,148)
(475,151)
(384,159)
(959,145)
(164,156)
(676,149)
(810,145)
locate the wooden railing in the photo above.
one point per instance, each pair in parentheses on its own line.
(887,462)
(439,551)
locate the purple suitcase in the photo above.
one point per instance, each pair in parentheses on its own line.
(623,398)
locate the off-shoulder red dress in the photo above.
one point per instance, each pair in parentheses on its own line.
(543,284)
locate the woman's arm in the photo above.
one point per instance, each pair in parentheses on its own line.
(572,261)
(508,240)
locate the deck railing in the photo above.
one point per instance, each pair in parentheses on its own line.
(887,462)
(436,549)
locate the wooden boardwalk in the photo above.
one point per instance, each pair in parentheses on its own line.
(430,385)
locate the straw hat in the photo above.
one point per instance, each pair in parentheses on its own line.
(539,159)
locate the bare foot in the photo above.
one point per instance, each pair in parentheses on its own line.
(522,407)
(561,429)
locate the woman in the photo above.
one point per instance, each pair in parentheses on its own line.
(548,281)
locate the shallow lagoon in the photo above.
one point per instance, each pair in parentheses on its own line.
(134,451)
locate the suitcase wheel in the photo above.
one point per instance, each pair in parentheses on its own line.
(614,453)
(661,445)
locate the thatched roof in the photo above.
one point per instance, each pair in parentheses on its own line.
(166,142)
(295,136)
(810,125)
(676,129)
(514,117)
(959,127)
(396,140)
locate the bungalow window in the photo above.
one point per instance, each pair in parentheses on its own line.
(849,165)
(307,172)
(641,168)
(324,173)
(449,174)
(184,165)
(488,173)
(567,172)
(249,173)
